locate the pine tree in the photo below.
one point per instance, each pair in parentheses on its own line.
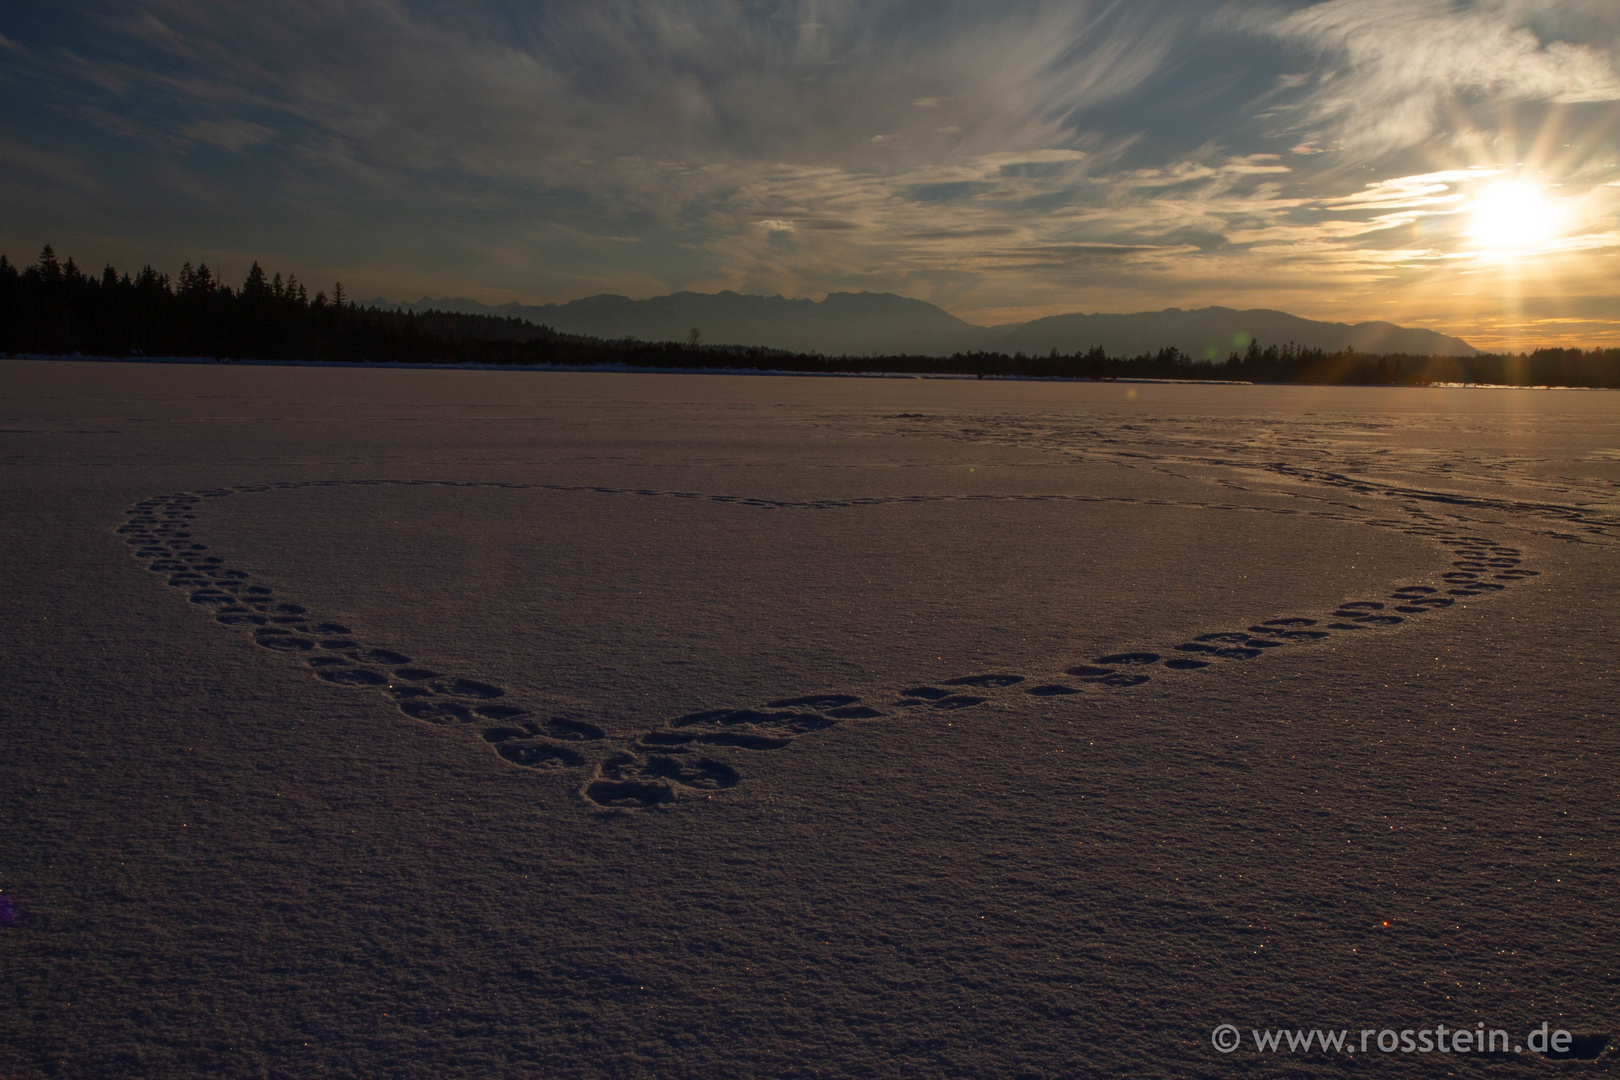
(257,285)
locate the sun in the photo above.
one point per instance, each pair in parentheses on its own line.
(1514,215)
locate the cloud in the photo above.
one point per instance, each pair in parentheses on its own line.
(1397,63)
(1020,157)
(1408,192)
(949,191)
(1257,164)
(510,94)
(961,234)
(57,169)
(234,135)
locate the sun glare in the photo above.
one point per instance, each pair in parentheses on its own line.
(1513,216)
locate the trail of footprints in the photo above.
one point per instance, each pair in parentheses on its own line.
(671,761)
(159,531)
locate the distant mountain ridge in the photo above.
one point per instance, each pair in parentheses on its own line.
(875,324)
(842,324)
(1214,333)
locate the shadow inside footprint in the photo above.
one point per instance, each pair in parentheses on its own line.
(468,688)
(1289,635)
(628,794)
(404,692)
(285,643)
(436,712)
(775,723)
(538,755)
(1129,659)
(986,682)
(570,730)
(702,774)
(1052,690)
(1106,677)
(505,734)
(814,701)
(668,738)
(352,676)
(1584,1046)
(1119,678)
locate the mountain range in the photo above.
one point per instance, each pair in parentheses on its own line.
(878,324)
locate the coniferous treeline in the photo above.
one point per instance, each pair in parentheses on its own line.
(54,308)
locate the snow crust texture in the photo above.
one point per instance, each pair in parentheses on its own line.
(666,763)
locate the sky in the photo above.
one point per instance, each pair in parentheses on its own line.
(1439,163)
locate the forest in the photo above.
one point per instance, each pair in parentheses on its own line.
(53,308)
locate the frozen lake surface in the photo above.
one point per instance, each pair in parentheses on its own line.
(435,723)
